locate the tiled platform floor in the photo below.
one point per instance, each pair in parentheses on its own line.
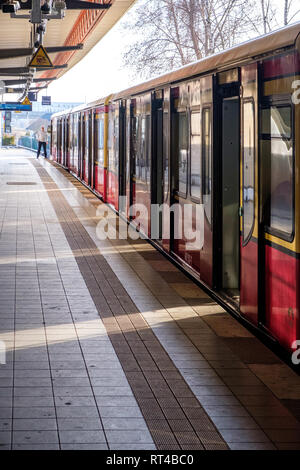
(109,346)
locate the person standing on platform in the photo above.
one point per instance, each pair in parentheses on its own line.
(42,138)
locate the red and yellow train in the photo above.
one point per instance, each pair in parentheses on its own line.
(223,133)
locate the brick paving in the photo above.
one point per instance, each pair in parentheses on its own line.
(63,383)
(159,389)
(110,346)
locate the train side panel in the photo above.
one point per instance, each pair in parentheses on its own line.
(280,122)
(101,134)
(113,156)
(174,155)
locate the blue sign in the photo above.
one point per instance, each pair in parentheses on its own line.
(32,96)
(15,107)
(46,100)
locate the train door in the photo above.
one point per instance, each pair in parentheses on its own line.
(61,146)
(249,265)
(86,150)
(67,143)
(91,149)
(95,150)
(157,171)
(122,154)
(85,155)
(134,130)
(74,129)
(186,196)
(58,140)
(180,157)
(229,193)
(116,156)
(80,144)
(128,150)
(61,140)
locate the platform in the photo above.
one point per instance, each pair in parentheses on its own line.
(110,346)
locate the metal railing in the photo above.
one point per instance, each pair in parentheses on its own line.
(31,143)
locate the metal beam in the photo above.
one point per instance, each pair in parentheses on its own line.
(71,5)
(26,70)
(63,66)
(12,53)
(54,49)
(25,52)
(38,88)
(8,83)
(12,74)
(82,5)
(21,90)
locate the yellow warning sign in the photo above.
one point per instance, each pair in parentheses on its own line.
(26,100)
(40,59)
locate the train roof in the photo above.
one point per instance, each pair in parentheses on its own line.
(269,43)
(275,41)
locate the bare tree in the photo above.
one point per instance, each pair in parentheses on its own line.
(267,15)
(172,33)
(275,14)
(290,11)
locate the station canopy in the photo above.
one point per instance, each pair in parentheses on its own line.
(79,26)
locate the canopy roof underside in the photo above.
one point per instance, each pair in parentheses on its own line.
(78,26)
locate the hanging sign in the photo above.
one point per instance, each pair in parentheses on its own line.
(40,59)
(26,101)
(46,100)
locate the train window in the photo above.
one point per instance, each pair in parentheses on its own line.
(101,140)
(111,142)
(110,132)
(101,133)
(182,153)
(74,132)
(86,137)
(148,147)
(248,168)
(116,142)
(276,121)
(206,162)
(137,149)
(279,168)
(195,156)
(166,131)
(134,152)
(143,149)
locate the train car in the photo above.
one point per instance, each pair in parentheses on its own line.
(217,142)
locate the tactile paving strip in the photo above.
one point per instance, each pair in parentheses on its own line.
(233,365)
(124,325)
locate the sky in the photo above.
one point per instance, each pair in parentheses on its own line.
(101,72)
